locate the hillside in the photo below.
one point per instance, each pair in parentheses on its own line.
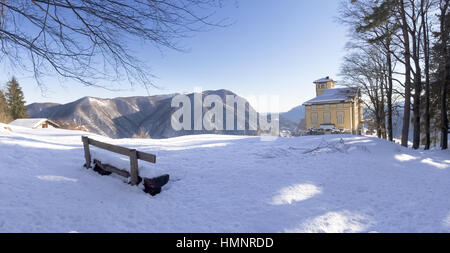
(37,108)
(225,184)
(295,114)
(127,116)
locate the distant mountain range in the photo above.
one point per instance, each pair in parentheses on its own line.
(295,115)
(150,116)
(125,117)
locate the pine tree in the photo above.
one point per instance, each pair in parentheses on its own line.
(441,57)
(15,99)
(5,117)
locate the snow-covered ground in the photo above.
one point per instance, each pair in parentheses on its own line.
(225,184)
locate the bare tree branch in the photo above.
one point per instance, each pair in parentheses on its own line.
(91,40)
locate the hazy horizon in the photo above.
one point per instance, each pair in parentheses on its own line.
(164,94)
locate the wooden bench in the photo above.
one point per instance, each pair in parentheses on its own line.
(132,153)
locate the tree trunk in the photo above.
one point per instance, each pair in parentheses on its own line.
(426,50)
(407,54)
(378,124)
(417,91)
(389,94)
(446,76)
(382,112)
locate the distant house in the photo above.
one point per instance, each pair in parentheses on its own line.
(34,123)
(332,107)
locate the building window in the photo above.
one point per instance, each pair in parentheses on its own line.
(314,118)
(326,117)
(326,107)
(340,118)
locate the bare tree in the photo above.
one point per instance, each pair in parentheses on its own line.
(87,40)
(365,68)
(374,24)
(407,56)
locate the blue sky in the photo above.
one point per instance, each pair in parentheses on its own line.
(272,48)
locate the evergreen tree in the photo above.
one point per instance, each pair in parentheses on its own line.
(15,99)
(440,54)
(5,117)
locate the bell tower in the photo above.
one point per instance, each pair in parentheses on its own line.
(324,84)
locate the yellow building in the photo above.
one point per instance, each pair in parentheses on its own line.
(338,108)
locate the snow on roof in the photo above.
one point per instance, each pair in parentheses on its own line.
(30,123)
(324,80)
(334,96)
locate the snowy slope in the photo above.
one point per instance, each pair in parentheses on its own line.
(225,184)
(124,117)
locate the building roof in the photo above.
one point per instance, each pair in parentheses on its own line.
(30,123)
(337,95)
(324,80)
